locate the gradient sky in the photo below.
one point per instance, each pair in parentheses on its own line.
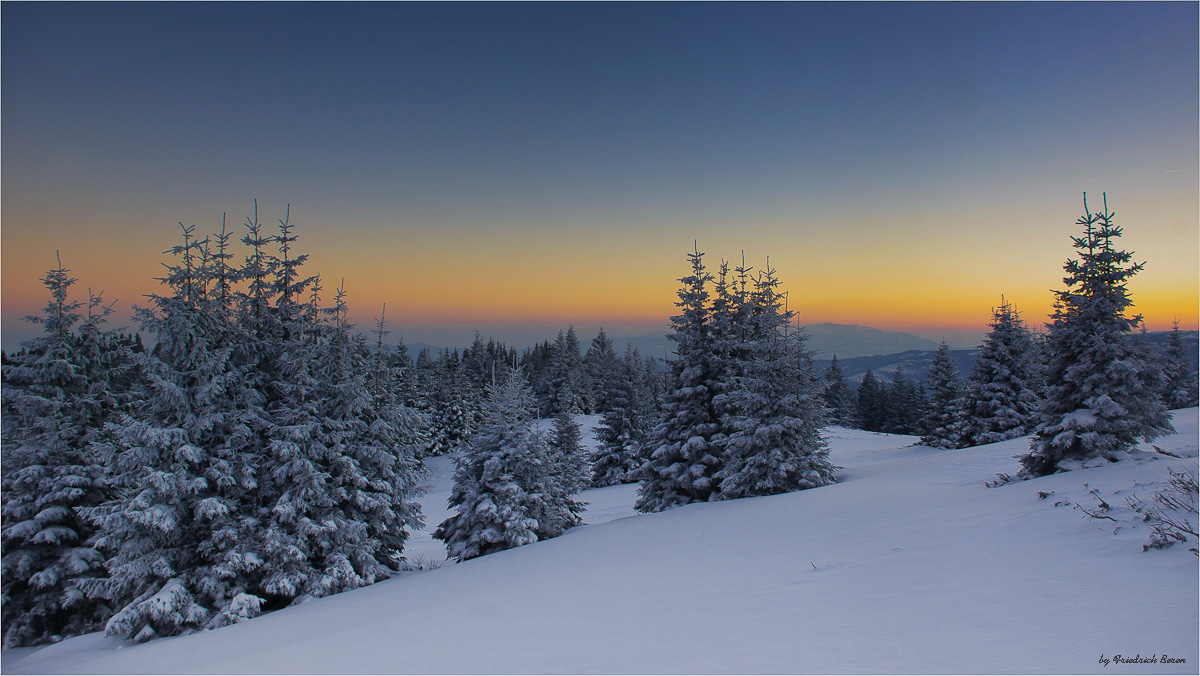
(516,168)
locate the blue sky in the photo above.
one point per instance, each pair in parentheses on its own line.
(511,166)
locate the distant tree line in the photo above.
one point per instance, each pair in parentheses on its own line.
(452,386)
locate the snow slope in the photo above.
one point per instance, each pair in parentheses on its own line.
(908,565)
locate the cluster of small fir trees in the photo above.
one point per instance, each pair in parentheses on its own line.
(562,376)
(894,406)
(452,388)
(744,412)
(255,455)
(1005,388)
(517,474)
(514,482)
(631,402)
(1180,386)
(1001,395)
(943,417)
(841,400)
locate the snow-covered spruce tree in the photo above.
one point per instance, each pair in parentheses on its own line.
(474,364)
(1153,379)
(1097,401)
(944,418)
(558,377)
(426,377)
(872,404)
(730,327)
(604,370)
(180,548)
(1180,387)
(336,478)
(59,391)
(904,409)
(269,323)
(655,380)
(375,475)
(567,375)
(1001,395)
(258,272)
(839,398)
(622,431)
(296,503)
(406,376)
(504,490)
(567,458)
(774,405)
(581,382)
(337,482)
(475,375)
(261,466)
(683,457)
(451,414)
(536,363)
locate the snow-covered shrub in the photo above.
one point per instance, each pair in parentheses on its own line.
(1171,513)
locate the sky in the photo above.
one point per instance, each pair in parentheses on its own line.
(516,168)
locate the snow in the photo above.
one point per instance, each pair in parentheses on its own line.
(421,547)
(908,565)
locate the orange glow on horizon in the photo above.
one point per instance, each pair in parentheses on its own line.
(924,273)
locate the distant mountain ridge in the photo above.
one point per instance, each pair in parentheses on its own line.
(915,363)
(855,340)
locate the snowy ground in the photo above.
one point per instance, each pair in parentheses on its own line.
(908,565)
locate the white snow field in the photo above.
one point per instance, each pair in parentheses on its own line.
(908,565)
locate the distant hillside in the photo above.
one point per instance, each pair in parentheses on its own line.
(915,363)
(852,340)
